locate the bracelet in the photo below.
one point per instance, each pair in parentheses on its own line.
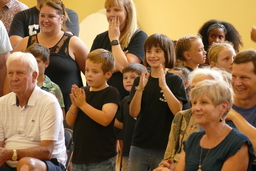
(136,88)
(72,112)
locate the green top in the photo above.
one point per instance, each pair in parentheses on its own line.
(53,88)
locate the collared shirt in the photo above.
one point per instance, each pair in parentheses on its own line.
(8,11)
(25,127)
(53,88)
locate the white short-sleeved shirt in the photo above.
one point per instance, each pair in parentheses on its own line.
(5,45)
(25,127)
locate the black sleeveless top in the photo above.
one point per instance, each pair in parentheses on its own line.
(63,70)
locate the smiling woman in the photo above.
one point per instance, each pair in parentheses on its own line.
(67,52)
(124,39)
(211,101)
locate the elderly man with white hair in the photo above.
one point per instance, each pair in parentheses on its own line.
(31,129)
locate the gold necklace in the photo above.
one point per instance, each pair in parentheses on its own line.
(200,164)
(200,161)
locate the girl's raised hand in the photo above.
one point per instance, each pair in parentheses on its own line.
(143,79)
(162,82)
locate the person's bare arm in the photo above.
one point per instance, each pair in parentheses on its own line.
(103,116)
(235,163)
(42,152)
(6,88)
(121,58)
(165,165)
(135,105)
(22,45)
(3,58)
(243,125)
(71,115)
(174,104)
(118,124)
(15,39)
(79,51)
(1,144)
(182,164)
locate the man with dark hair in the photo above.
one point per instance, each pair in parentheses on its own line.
(243,112)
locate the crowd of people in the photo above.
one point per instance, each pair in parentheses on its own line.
(167,105)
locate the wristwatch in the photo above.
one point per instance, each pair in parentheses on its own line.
(14,155)
(114,42)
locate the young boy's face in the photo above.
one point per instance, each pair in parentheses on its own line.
(41,65)
(95,77)
(128,79)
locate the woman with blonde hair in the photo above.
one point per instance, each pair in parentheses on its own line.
(123,38)
(218,147)
(183,124)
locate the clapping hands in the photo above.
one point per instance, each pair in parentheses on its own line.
(143,79)
(162,82)
(77,96)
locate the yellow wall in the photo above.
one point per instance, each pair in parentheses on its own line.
(177,18)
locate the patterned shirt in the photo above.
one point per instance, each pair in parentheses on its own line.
(53,88)
(8,11)
(183,125)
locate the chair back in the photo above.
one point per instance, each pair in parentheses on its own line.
(69,144)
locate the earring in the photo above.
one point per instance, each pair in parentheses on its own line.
(221,120)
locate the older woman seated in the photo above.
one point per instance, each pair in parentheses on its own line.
(183,124)
(218,147)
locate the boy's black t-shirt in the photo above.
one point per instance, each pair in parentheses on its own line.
(92,141)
